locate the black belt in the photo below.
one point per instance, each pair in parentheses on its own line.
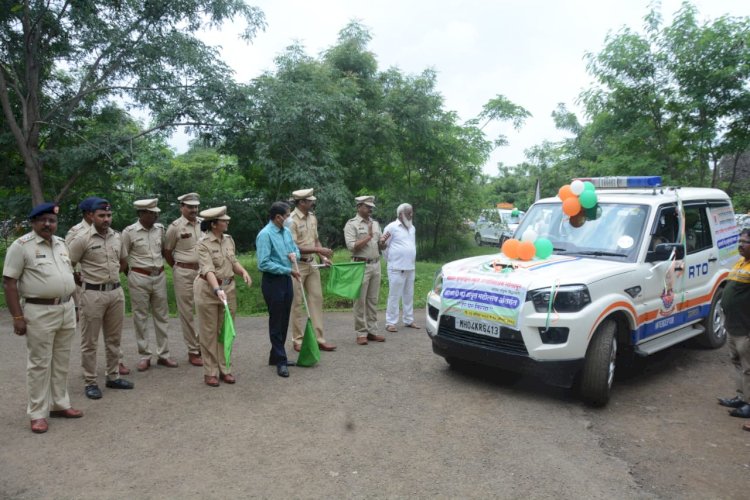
(369,261)
(101,287)
(309,259)
(48,302)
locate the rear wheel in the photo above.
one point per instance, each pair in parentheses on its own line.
(715,334)
(599,365)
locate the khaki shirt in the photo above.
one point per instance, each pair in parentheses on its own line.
(216,255)
(76,230)
(143,246)
(43,269)
(98,255)
(355,230)
(304,229)
(182,237)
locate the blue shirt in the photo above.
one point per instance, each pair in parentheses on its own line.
(273,246)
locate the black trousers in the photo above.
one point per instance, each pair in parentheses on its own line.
(278,294)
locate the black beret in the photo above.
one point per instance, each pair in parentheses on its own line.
(44,208)
(85,205)
(99,204)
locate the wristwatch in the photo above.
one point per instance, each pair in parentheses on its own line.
(216,290)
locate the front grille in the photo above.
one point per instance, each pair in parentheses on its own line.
(510,340)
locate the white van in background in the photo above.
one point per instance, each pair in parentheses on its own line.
(495,225)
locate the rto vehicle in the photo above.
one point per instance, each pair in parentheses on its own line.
(644,272)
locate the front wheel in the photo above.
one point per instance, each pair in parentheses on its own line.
(478,239)
(599,365)
(715,334)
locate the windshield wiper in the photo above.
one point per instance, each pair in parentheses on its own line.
(598,253)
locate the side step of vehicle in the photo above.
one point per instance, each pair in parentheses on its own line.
(668,340)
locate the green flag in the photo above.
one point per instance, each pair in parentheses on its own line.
(227,334)
(309,352)
(346,279)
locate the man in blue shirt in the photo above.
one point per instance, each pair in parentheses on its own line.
(277,254)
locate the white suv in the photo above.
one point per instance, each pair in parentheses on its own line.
(645,272)
(495,225)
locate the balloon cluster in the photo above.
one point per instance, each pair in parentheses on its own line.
(578,201)
(528,247)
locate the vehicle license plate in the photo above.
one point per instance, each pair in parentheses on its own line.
(480,327)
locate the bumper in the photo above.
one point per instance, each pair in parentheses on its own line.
(559,373)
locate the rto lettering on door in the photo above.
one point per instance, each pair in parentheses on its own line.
(697,270)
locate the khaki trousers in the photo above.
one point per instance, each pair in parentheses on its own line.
(183,292)
(101,311)
(49,333)
(310,279)
(149,292)
(739,353)
(211,319)
(366,307)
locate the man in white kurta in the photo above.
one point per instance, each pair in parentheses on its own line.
(399,239)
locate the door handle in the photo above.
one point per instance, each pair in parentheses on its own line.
(713,259)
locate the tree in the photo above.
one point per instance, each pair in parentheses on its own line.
(63,61)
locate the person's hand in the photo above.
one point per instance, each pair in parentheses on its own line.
(296,275)
(292,257)
(327,262)
(246,278)
(19,326)
(222,295)
(369,227)
(384,238)
(325,252)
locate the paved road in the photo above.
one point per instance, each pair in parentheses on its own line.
(383,420)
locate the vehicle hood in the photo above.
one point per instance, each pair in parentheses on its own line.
(533,274)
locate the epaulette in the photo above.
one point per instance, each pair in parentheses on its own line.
(57,238)
(26,237)
(159,224)
(228,236)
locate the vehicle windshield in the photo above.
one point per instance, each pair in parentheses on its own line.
(509,218)
(615,232)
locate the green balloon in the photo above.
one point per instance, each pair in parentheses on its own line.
(594,212)
(543,248)
(587,199)
(514,212)
(588,186)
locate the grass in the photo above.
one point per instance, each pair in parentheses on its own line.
(250,299)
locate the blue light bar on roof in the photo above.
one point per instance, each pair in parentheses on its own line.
(645,181)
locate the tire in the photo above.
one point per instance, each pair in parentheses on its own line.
(599,366)
(715,334)
(478,239)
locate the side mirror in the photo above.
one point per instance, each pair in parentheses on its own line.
(664,250)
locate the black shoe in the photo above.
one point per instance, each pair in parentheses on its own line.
(119,383)
(93,392)
(282,371)
(291,363)
(742,412)
(735,402)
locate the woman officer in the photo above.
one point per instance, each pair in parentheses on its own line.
(213,286)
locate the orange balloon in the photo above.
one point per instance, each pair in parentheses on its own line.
(526,250)
(571,206)
(565,192)
(510,248)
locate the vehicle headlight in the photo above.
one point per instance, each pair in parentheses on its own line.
(567,298)
(437,285)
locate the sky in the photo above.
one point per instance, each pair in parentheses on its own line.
(530,51)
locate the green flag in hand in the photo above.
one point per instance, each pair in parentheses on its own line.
(227,335)
(346,279)
(309,352)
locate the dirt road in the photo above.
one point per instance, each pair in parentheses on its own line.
(383,420)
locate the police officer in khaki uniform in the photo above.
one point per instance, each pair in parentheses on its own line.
(213,287)
(37,269)
(85,224)
(304,228)
(179,251)
(362,236)
(102,301)
(142,245)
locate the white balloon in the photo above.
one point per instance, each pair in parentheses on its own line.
(577,187)
(529,235)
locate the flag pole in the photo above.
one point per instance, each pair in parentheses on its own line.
(302,287)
